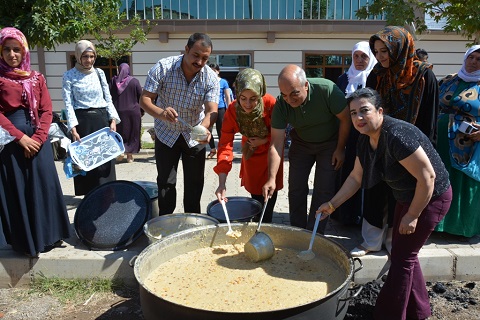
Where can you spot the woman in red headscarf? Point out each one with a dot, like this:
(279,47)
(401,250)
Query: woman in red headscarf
(126,91)
(33,217)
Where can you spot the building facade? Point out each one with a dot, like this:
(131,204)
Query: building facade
(317,35)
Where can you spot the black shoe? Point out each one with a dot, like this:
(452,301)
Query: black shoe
(52,246)
(31,256)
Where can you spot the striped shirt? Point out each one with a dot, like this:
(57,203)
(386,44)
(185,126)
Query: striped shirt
(167,80)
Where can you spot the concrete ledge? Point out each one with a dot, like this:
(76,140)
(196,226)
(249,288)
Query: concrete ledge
(374,266)
(437,264)
(467,263)
(14,269)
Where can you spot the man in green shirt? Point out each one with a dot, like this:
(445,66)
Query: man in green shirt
(316,108)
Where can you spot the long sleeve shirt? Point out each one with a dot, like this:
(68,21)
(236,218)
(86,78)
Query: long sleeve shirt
(85,91)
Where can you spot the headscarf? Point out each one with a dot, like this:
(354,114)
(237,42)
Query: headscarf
(80,48)
(23,74)
(356,77)
(401,84)
(469,76)
(251,124)
(123,78)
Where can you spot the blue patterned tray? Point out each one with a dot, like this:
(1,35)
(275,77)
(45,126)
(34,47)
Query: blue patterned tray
(96,149)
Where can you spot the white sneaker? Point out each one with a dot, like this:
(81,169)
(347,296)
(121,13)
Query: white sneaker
(359,252)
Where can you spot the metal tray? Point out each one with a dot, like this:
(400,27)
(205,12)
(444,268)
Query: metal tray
(239,209)
(96,149)
(112,215)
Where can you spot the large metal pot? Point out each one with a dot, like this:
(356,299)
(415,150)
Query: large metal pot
(333,306)
(152,189)
(165,225)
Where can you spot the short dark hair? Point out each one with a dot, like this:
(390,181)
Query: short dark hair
(206,41)
(421,53)
(371,95)
(214,66)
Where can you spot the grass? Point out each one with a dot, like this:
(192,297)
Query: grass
(72,290)
(148,145)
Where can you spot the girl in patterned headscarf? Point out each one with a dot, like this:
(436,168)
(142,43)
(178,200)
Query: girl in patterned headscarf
(31,219)
(407,86)
(250,115)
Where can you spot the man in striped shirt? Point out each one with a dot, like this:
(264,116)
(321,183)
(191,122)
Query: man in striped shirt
(181,86)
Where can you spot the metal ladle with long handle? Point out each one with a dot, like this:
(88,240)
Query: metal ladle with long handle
(230,232)
(308,254)
(260,246)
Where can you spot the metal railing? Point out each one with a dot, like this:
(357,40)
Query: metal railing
(244,9)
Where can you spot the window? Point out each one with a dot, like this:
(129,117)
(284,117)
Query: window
(230,64)
(107,65)
(231,60)
(329,66)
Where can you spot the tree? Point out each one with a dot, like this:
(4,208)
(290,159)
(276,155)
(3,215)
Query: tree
(461,16)
(315,9)
(106,21)
(48,23)
(45,22)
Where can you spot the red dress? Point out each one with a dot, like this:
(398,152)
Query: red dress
(254,171)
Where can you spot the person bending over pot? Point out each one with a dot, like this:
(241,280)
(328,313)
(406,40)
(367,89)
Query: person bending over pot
(398,153)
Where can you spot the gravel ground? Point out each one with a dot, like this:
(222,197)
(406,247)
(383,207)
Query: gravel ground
(458,300)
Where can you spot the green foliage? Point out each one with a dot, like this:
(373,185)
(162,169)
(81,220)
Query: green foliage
(461,15)
(49,23)
(313,9)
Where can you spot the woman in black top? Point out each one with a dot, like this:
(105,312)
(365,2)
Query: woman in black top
(409,90)
(398,153)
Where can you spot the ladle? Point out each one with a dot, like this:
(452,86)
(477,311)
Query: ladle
(260,246)
(308,254)
(230,232)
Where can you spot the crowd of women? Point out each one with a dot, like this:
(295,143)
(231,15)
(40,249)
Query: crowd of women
(412,149)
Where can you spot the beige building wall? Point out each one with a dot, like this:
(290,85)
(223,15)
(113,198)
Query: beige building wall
(445,52)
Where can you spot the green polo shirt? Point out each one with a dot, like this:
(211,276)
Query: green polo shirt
(315,120)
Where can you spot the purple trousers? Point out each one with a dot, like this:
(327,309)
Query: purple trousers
(404,294)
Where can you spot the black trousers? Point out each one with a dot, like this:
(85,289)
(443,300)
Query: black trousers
(193,164)
(221,114)
(91,120)
(267,217)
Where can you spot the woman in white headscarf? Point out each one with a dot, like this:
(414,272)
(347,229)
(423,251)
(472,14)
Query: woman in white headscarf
(363,61)
(355,78)
(459,148)
(89,108)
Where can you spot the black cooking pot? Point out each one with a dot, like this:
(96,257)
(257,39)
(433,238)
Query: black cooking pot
(332,306)
(240,209)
